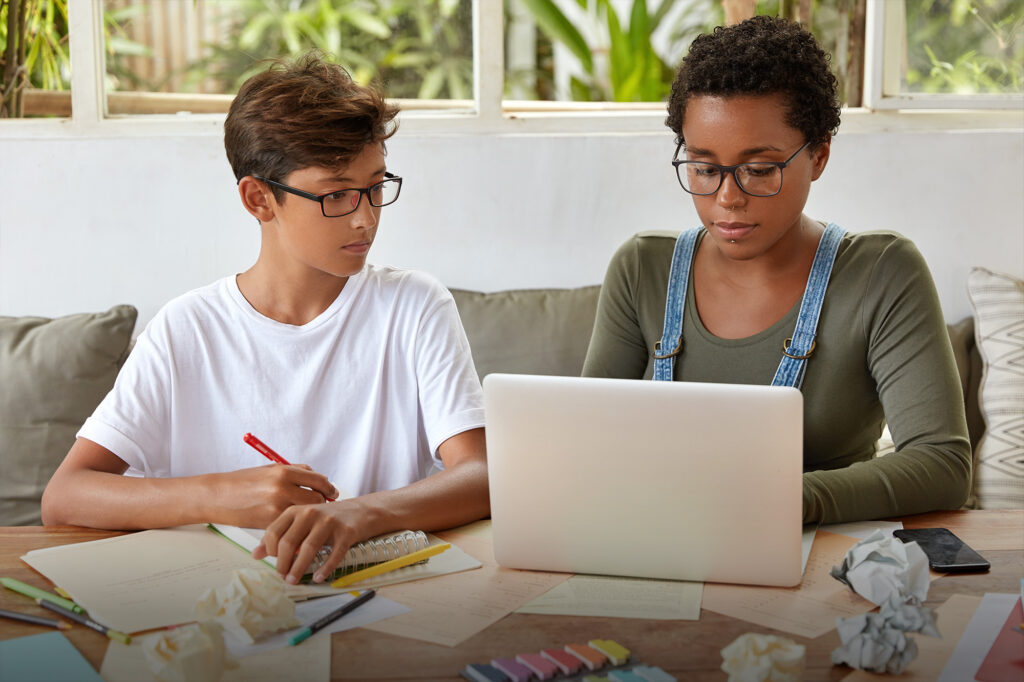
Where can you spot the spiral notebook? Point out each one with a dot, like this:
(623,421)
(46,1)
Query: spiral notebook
(367,553)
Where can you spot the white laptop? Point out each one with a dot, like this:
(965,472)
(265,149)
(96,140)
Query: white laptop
(674,480)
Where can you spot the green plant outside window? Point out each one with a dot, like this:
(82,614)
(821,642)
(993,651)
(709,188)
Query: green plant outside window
(607,50)
(964,47)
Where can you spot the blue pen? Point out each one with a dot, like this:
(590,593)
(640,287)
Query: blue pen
(331,617)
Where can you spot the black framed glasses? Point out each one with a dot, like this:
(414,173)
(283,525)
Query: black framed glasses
(341,202)
(757,178)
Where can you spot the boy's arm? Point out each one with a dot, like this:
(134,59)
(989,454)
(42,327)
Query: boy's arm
(452,497)
(88,489)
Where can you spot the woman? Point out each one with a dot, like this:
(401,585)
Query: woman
(754,108)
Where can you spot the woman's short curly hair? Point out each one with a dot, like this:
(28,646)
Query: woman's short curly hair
(761,56)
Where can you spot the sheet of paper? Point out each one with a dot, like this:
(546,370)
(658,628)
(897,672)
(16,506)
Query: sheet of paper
(377,609)
(806,542)
(861,530)
(977,639)
(44,658)
(932,652)
(310,662)
(143,580)
(452,608)
(598,595)
(810,609)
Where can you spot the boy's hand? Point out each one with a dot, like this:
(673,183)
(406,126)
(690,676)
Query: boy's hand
(299,533)
(253,498)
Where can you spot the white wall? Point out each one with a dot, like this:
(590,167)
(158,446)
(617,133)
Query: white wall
(86,223)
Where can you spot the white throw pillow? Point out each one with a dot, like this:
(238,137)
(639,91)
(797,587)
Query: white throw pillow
(998,303)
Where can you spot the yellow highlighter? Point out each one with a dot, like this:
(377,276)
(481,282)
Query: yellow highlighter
(387,566)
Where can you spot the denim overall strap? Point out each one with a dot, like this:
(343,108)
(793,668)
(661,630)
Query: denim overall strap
(671,344)
(800,346)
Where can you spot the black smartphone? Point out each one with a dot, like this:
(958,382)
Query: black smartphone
(946,552)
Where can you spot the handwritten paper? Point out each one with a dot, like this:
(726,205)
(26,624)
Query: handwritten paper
(377,609)
(450,609)
(861,530)
(310,662)
(598,595)
(810,609)
(145,580)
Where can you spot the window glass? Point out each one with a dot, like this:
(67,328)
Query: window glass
(598,50)
(417,49)
(964,47)
(628,50)
(35,71)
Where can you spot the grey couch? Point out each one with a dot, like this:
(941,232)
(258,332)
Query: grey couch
(53,372)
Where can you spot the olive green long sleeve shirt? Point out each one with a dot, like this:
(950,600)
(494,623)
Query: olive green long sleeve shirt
(882,355)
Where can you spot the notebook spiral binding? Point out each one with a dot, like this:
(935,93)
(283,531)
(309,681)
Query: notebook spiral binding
(377,550)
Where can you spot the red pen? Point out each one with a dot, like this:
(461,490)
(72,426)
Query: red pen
(264,449)
(268,452)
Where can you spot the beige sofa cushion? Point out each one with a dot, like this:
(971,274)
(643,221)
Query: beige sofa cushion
(53,372)
(998,303)
(529,331)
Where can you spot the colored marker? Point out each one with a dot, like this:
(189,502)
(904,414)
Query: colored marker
(264,449)
(268,452)
(85,620)
(386,566)
(35,620)
(36,593)
(307,632)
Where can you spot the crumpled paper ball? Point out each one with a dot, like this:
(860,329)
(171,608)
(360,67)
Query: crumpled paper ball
(876,642)
(763,658)
(882,566)
(192,653)
(252,604)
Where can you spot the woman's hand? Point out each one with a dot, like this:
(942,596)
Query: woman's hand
(254,498)
(300,532)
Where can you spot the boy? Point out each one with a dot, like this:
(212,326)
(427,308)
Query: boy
(362,372)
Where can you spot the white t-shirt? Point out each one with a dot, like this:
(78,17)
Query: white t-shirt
(365,393)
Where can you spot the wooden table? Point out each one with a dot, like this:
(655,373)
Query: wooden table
(687,649)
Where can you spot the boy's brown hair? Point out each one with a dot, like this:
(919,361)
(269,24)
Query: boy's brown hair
(301,114)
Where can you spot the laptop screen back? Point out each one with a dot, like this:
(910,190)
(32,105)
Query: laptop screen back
(673,480)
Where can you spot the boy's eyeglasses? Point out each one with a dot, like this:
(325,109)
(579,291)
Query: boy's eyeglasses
(758,178)
(344,201)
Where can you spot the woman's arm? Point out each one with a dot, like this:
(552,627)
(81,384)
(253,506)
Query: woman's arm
(617,348)
(912,364)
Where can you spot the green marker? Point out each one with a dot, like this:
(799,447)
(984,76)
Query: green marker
(86,621)
(305,633)
(36,593)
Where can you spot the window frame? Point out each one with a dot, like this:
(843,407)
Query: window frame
(885,34)
(488,113)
